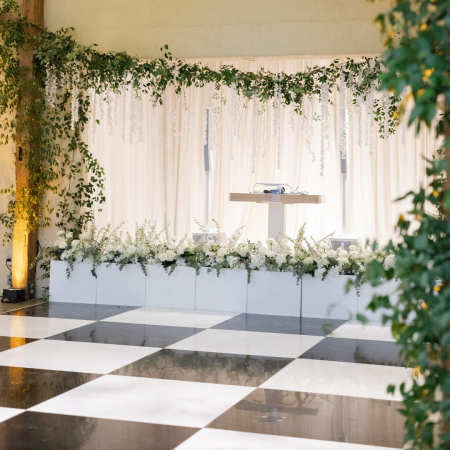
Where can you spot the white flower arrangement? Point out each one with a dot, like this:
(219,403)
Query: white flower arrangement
(298,255)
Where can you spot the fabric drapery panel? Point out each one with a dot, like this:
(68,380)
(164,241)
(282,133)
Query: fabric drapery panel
(161,172)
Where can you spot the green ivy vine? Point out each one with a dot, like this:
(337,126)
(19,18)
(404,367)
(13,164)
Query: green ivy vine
(418,57)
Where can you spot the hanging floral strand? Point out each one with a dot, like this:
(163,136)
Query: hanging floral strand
(255,132)
(75,97)
(51,86)
(277,97)
(342,118)
(324,124)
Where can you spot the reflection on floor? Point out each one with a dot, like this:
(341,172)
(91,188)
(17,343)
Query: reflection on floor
(85,377)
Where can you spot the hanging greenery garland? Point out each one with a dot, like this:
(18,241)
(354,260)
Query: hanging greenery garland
(79,83)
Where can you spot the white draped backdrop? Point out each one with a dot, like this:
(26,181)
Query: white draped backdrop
(161,171)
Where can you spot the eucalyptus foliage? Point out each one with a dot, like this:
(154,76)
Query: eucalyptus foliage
(58,156)
(418,58)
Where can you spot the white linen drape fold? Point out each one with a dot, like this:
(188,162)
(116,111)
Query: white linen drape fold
(163,174)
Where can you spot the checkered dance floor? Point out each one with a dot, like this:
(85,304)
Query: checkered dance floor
(105,377)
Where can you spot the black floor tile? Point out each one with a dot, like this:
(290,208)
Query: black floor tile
(72,311)
(280,324)
(38,431)
(314,416)
(6,342)
(23,388)
(356,351)
(127,334)
(206,367)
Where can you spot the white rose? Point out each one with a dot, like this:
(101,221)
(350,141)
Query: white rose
(69,235)
(62,243)
(332,254)
(220,259)
(170,255)
(222,252)
(308,260)
(352,248)
(242,250)
(75,243)
(60,233)
(343,253)
(162,257)
(232,260)
(323,261)
(263,250)
(281,259)
(342,260)
(130,250)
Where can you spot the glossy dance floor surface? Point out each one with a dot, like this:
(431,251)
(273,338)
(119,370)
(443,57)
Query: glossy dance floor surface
(84,377)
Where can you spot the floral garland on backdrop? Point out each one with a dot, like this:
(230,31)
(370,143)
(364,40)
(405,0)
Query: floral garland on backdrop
(83,86)
(298,255)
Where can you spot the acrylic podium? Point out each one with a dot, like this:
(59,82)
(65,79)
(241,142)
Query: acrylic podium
(277,203)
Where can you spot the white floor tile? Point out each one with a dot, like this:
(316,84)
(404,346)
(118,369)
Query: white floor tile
(360,331)
(248,343)
(211,439)
(339,378)
(37,327)
(172,317)
(7,413)
(73,356)
(147,400)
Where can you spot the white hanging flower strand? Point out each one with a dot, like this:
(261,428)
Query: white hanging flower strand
(74,104)
(342,118)
(277,117)
(255,132)
(265,131)
(360,111)
(109,100)
(309,130)
(51,86)
(325,123)
(387,106)
(124,111)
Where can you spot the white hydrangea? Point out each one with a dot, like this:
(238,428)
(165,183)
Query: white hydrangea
(389,262)
(281,258)
(62,243)
(242,250)
(258,261)
(342,260)
(308,260)
(130,250)
(171,255)
(232,260)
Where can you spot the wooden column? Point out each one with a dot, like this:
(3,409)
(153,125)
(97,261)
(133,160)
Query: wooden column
(25,241)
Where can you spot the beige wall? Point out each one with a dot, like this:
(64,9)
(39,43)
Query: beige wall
(220,28)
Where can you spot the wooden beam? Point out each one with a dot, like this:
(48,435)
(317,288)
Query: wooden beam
(25,240)
(9,16)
